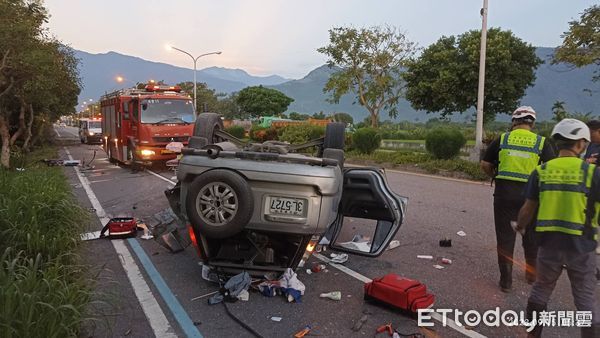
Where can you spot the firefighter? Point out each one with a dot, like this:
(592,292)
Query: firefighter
(509,160)
(566,194)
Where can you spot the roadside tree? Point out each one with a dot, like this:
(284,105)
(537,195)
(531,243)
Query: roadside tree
(371,61)
(38,77)
(581,43)
(258,100)
(444,78)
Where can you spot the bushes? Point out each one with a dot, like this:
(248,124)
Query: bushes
(298,134)
(261,134)
(43,289)
(366,140)
(444,143)
(237,131)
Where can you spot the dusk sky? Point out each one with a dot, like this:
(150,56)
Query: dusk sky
(267,37)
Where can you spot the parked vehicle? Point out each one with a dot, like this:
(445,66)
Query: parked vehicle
(263,207)
(144,125)
(90,130)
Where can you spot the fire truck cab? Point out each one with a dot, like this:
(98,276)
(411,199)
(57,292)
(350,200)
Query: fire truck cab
(145,125)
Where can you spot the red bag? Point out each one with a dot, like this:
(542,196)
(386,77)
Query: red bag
(403,293)
(120,227)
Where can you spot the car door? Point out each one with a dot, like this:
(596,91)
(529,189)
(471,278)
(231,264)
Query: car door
(369,215)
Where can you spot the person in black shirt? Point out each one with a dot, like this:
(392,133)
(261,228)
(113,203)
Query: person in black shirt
(509,160)
(592,155)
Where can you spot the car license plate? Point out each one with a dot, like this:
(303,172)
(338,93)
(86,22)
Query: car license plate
(287,206)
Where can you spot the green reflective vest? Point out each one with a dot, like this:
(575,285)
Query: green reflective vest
(564,185)
(519,154)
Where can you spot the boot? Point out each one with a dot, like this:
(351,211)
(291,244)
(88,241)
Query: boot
(537,308)
(505,276)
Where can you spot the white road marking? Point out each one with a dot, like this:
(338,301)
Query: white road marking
(56,131)
(161,177)
(365,279)
(156,317)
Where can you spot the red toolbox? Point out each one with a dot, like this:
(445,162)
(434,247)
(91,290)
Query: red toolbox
(120,227)
(399,292)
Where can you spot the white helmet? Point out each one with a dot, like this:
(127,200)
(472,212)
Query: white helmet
(572,129)
(523,112)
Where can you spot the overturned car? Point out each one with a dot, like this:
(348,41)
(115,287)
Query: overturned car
(264,207)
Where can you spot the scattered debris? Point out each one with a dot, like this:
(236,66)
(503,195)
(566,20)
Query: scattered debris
(461,233)
(90,236)
(317,268)
(127,333)
(393,244)
(276,319)
(232,289)
(339,258)
(58,162)
(291,286)
(146,234)
(359,323)
(445,243)
(308,272)
(333,295)
(386,328)
(204,296)
(425,256)
(439,267)
(244,296)
(302,332)
(197,323)
(20,169)
(446,261)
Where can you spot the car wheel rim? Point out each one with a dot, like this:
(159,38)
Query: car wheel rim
(217,204)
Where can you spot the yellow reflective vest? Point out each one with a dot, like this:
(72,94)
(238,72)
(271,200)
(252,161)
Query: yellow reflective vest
(564,186)
(519,154)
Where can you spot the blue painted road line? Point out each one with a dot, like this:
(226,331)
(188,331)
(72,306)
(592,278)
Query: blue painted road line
(185,322)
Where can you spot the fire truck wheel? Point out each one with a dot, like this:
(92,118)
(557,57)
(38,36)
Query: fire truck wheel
(334,135)
(205,126)
(219,203)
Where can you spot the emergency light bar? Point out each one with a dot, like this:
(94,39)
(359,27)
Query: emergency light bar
(162,88)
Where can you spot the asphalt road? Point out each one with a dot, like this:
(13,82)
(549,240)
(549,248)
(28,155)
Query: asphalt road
(438,208)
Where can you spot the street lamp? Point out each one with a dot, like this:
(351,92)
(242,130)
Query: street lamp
(195,60)
(480,88)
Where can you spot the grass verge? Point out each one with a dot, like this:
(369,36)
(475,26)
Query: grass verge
(419,161)
(44,290)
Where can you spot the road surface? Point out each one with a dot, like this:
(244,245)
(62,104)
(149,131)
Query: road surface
(438,208)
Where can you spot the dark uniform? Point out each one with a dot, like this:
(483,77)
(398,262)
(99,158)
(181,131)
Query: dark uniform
(509,195)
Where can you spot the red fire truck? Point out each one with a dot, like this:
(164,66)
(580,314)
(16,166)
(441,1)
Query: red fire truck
(143,125)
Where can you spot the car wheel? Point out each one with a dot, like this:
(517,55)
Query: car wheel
(205,126)
(219,203)
(334,135)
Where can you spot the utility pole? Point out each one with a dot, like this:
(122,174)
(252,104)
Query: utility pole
(475,155)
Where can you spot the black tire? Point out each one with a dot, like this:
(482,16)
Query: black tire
(207,211)
(205,126)
(334,135)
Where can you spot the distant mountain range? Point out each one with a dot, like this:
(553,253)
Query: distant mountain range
(553,83)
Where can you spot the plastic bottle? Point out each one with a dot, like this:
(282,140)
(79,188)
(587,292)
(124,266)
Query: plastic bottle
(333,295)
